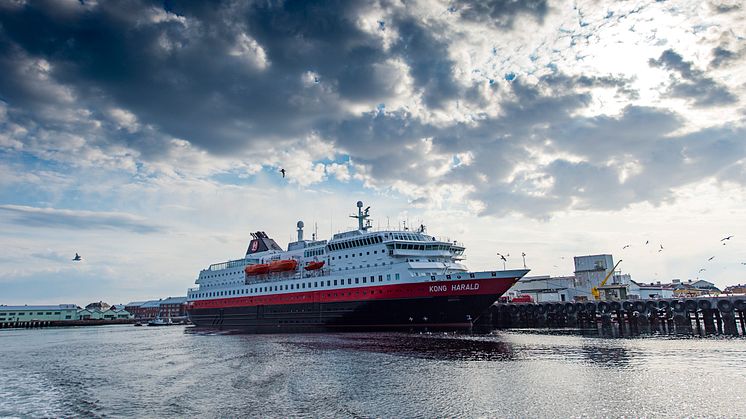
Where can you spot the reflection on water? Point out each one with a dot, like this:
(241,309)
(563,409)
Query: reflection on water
(159,372)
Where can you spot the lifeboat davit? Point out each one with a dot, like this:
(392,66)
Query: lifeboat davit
(258,269)
(311,266)
(283,265)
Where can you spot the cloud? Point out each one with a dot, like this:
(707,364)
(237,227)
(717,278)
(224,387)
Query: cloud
(695,84)
(497,105)
(500,13)
(77,219)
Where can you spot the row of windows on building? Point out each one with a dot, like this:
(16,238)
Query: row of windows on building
(349,244)
(293,287)
(40,313)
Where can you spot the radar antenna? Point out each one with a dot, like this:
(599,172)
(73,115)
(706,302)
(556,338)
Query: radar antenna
(363,223)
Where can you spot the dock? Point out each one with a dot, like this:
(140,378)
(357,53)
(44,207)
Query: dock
(702,316)
(37,324)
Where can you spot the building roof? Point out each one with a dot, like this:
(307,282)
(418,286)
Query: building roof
(135,303)
(151,304)
(47,307)
(174,300)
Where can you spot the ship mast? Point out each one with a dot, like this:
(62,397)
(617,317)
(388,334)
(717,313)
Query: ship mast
(363,223)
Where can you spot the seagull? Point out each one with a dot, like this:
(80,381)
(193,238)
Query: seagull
(283,173)
(503,257)
(661,249)
(713,257)
(77,258)
(726,238)
(647,241)
(701,270)
(625,246)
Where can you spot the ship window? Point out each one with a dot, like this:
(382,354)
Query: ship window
(315,284)
(364,280)
(345,256)
(380,278)
(375,252)
(397,277)
(357,280)
(303,286)
(349,281)
(353,255)
(328,283)
(361,253)
(367,253)
(388,277)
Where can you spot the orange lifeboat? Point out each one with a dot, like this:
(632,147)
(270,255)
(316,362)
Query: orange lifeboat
(258,269)
(283,265)
(311,266)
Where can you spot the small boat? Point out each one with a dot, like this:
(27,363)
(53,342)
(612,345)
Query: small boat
(258,269)
(312,266)
(283,265)
(160,322)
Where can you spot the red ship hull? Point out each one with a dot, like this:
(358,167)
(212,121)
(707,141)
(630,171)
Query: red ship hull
(437,305)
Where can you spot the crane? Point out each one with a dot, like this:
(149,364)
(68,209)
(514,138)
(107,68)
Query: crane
(594,290)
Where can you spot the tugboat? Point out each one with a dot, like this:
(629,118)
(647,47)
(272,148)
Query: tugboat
(358,280)
(160,322)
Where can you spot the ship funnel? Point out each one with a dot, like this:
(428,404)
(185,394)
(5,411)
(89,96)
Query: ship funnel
(300,231)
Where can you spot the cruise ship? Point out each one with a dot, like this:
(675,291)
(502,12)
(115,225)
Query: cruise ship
(359,280)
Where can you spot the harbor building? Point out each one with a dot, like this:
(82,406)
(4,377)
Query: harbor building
(590,272)
(25,313)
(172,307)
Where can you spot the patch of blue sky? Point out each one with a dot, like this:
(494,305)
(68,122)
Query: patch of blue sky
(238,178)
(509,76)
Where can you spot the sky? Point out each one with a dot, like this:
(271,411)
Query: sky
(148,136)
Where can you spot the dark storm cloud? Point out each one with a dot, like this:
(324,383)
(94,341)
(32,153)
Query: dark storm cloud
(500,13)
(703,90)
(428,61)
(77,220)
(239,78)
(722,56)
(183,76)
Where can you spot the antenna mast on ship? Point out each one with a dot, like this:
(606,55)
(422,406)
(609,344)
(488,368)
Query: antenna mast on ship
(363,223)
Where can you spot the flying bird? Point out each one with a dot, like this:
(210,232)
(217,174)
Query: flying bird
(503,258)
(711,258)
(701,270)
(625,246)
(647,241)
(283,173)
(661,249)
(77,258)
(726,238)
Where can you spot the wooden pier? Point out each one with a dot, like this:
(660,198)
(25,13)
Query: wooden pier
(702,316)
